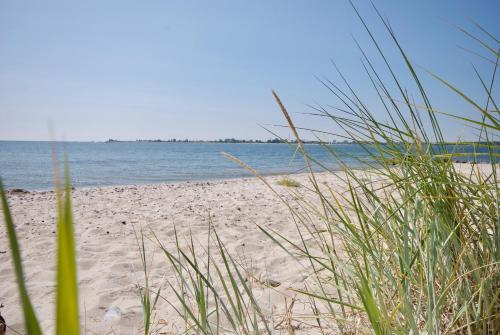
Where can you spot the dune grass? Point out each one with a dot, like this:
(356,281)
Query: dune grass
(149,298)
(214,293)
(413,246)
(287,182)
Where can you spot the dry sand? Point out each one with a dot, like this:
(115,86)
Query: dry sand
(110,271)
(109,264)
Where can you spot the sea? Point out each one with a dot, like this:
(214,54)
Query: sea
(30,165)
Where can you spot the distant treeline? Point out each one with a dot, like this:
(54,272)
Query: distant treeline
(277,140)
(233,140)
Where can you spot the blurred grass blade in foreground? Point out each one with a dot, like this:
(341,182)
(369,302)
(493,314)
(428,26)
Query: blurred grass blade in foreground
(30,320)
(67,289)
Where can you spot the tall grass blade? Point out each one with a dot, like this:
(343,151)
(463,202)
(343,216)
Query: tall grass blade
(30,320)
(67,319)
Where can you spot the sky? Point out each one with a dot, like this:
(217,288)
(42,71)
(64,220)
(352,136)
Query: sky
(93,70)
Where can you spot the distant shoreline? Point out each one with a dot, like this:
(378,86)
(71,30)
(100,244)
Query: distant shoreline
(230,140)
(272,141)
(233,141)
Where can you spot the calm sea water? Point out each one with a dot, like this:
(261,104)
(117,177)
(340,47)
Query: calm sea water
(29,165)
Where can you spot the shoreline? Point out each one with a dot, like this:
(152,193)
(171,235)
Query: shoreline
(20,190)
(14,190)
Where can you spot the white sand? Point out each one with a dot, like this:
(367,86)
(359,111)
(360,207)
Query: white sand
(109,265)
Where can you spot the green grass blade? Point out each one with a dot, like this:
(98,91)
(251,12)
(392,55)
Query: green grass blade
(30,320)
(67,287)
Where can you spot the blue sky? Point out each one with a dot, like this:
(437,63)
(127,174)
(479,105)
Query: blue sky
(205,69)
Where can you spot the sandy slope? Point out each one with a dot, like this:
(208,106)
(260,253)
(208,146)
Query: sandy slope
(110,269)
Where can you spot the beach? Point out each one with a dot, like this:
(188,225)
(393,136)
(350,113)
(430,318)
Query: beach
(246,168)
(110,271)
(109,220)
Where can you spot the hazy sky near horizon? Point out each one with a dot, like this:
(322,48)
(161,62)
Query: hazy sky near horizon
(205,69)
